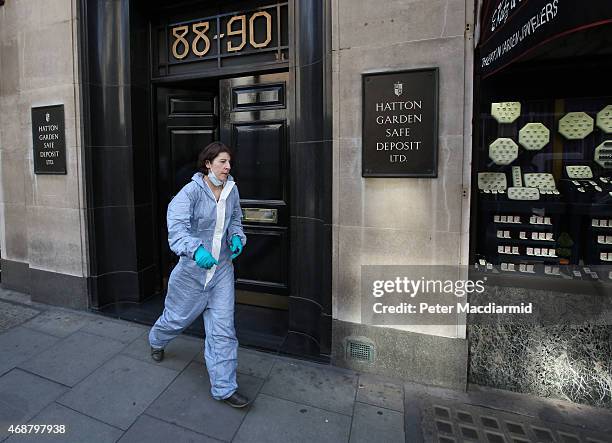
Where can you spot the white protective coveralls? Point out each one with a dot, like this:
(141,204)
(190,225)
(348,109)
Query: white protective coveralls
(195,218)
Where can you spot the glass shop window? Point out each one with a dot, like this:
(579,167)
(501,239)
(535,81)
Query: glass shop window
(544,188)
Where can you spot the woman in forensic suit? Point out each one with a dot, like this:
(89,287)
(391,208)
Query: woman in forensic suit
(205,231)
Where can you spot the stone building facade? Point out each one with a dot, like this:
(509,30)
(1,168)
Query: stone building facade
(94,237)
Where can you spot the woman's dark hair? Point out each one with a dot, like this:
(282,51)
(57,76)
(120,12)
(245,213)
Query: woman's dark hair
(209,153)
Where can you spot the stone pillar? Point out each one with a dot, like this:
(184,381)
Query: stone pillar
(311,157)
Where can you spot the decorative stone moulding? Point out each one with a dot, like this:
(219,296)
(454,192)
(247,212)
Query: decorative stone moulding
(534,136)
(603,154)
(503,151)
(542,181)
(523,193)
(576,125)
(492,181)
(604,119)
(577,172)
(506,112)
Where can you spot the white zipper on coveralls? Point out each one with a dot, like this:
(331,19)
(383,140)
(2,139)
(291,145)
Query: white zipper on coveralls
(219,227)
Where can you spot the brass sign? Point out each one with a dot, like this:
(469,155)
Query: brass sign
(49,139)
(400,124)
(259,215)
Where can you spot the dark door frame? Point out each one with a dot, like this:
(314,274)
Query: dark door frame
(117,153)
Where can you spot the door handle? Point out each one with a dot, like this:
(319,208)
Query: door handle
(260,215)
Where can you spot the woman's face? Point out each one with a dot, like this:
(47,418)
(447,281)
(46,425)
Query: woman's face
(220,165)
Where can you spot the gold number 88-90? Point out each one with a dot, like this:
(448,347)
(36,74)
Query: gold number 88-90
(241,31)
(179,33)
(200,29)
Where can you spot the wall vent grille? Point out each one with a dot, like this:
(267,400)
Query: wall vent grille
(359,351)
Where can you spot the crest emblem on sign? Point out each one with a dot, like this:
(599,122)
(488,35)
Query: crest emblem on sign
(47,117)
(398,88)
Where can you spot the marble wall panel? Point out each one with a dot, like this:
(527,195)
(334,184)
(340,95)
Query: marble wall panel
(54,239)
(365,23)
(15,245)
(46,52)
(10,65)
(12,170)
(37,13)
(9,20)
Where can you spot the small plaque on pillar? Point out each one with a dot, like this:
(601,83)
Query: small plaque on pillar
(400,124)
(49,139)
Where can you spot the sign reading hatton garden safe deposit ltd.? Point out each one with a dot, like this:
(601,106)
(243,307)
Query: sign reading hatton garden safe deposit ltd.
(49,140)
(400,124)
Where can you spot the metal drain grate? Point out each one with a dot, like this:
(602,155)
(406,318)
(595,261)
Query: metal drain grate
(359,350)
(462,423)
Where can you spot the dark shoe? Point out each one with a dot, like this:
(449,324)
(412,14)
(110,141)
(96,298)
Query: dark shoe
(157,354)
(237,400)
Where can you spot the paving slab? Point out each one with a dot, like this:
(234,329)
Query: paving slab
(315,385)
(250,362)
(187,402)
(58,323)
(78,428)
(149,429)
(20,344)
(381,392)
(14,296)
(22,396)
(256,364)
(372,423)
(119,391)
(122,331)
(71,360)
(12,315)
(273,419)
(177,355)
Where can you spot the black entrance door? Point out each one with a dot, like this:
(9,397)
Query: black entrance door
(249,114)
(187,121)
(254,123)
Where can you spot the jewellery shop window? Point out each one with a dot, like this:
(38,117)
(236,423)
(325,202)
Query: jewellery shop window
(544,188)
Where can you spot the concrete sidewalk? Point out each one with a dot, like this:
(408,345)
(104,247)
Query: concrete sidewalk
(94,375)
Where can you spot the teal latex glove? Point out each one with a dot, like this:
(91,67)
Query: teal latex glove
(236,246)
(204,259)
